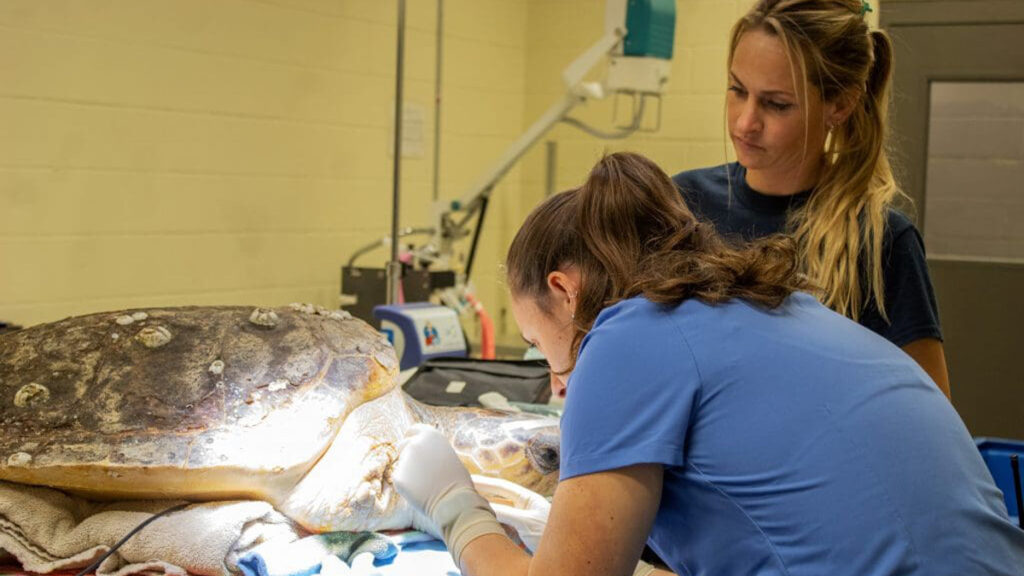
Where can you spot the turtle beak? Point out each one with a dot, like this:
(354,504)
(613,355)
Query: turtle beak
(542,449)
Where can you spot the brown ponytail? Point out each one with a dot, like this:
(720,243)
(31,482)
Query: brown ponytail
(629,232)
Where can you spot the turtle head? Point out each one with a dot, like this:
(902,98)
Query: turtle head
(520,448)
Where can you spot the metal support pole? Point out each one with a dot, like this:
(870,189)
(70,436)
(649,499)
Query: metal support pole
(550,168)
(437,99)
(394,266)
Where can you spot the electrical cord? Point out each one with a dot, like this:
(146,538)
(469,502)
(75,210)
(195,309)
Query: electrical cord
(409,231)
(114,548)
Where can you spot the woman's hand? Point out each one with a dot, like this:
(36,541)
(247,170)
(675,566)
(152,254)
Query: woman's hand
(430,476)
(515,506)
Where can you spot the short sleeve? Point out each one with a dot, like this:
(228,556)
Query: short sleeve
(909,295)
(632,394)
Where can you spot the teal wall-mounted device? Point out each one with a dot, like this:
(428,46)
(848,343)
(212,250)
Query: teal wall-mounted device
(652,28)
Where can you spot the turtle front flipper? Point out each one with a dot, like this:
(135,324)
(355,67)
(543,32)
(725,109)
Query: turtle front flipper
(350,487)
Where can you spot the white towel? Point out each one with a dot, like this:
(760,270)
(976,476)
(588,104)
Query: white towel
(419,553)
(317,554)
(47,530)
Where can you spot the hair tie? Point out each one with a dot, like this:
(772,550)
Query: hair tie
(865,8)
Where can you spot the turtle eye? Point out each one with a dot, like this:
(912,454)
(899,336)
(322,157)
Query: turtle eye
(543,452)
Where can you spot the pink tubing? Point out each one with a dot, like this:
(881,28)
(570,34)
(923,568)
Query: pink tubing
(486,328)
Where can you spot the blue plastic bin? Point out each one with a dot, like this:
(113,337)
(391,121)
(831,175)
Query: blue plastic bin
(996,452)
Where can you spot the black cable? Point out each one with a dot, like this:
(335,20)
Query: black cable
(114,548)
(476,235)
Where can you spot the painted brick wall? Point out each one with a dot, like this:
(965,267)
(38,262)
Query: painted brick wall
(157,152)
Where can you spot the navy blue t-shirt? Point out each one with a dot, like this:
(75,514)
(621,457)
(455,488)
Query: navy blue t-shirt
(747,214)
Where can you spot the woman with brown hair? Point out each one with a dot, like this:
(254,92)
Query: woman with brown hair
(716,412)
(806,110)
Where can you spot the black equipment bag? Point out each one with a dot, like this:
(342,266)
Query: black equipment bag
(438,381)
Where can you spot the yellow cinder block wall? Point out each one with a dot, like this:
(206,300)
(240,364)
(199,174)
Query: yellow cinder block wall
(238,152)
(184,152)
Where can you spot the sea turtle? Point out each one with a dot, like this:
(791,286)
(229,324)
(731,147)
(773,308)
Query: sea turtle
(297,406)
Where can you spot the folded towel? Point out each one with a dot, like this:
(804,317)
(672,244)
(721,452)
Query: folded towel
(418,553)
(47,530)
(310,554)
(352,554)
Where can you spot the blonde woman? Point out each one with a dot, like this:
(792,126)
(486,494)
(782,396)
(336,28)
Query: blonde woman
(806,112)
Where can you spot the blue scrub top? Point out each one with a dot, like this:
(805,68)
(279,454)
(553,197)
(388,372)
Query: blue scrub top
(794,441)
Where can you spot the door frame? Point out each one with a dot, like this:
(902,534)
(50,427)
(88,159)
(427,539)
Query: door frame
(914,73)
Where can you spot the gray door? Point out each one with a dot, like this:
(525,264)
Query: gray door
(958,128)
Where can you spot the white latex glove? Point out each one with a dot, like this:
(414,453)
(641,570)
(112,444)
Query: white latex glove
(515,506)
(430,476)
(526,511)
